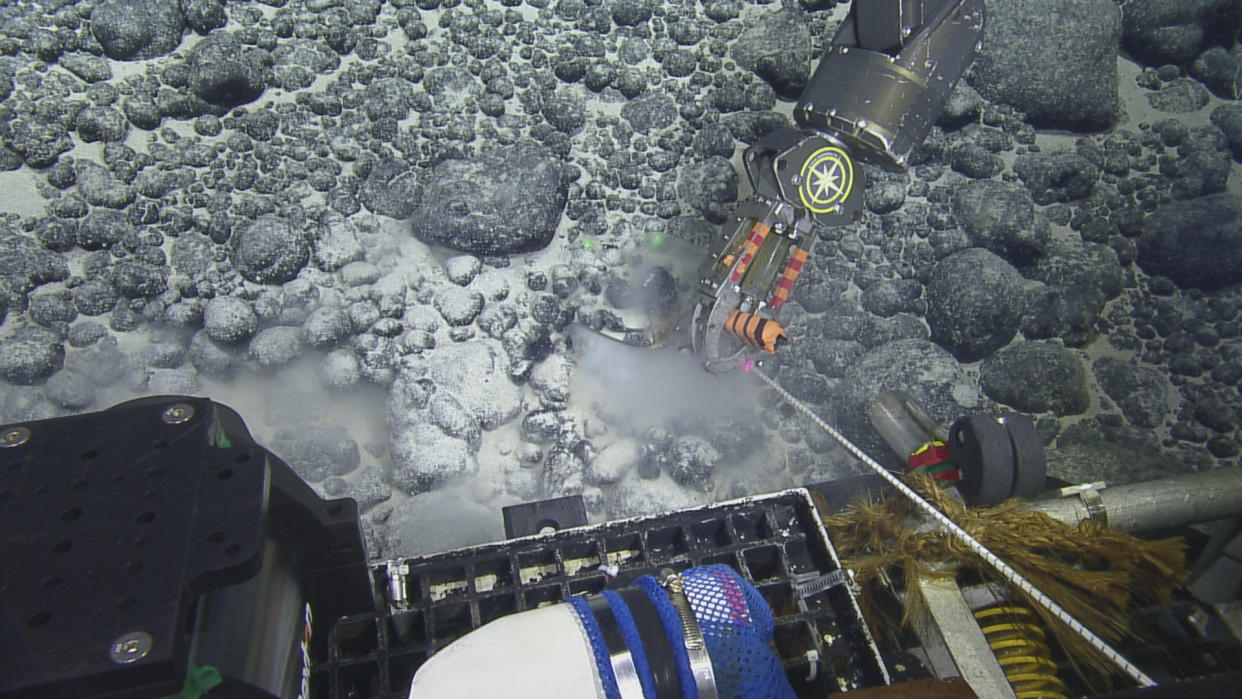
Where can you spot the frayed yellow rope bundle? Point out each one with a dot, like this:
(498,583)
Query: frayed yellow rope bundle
(1093,572)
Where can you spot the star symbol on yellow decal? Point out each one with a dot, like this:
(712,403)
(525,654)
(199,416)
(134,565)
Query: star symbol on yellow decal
(827,178)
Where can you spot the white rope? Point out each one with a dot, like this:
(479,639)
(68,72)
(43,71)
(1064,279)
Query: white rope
(1014,577)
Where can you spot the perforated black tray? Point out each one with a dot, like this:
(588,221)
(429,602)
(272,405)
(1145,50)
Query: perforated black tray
(775,541)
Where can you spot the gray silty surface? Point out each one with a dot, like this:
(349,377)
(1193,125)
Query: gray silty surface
(373,227)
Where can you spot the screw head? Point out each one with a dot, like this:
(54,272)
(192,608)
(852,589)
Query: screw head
(14,437)
(178,413)
(131,647)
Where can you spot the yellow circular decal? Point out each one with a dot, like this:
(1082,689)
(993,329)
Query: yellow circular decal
(827,177)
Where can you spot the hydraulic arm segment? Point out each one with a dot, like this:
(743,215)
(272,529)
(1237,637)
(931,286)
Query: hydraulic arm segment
(878,89)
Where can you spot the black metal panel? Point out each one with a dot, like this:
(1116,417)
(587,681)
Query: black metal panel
(114,523)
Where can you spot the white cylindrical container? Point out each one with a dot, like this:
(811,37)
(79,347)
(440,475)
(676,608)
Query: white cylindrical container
(534,654)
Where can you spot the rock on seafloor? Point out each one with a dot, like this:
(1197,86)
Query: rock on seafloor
(1068,83)
(508,201)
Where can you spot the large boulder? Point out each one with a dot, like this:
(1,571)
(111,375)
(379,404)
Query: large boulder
(275,347)
(100,188)
(1056,60)
(1219,70)
(1001,217)
(424,457)
(503,202)
(975,302)
(1066,312)
(476,374)
(336,242)
(1201,164)
(270,250)
(225,72)
(777,48)
(230,319)
(131,30)
(135,279)
(1197,242)
(1036,377)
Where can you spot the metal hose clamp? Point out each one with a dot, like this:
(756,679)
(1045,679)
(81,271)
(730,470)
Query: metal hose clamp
(696,646)
(1091,499)
(1094,503)
(619,656)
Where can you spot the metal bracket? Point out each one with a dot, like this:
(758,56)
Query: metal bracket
(533,517)
(1089,494)
(398,599)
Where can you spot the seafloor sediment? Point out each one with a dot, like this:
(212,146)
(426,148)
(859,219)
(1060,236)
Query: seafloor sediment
(382,231)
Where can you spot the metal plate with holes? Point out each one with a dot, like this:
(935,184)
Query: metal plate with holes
(112,524)
(775,541)
(99,513)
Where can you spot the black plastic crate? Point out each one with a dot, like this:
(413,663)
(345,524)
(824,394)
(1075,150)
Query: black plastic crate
(775,541)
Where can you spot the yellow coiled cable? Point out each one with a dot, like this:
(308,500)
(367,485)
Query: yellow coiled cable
(1014,635)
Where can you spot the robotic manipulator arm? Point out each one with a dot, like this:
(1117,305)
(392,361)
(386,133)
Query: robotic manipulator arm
(879,87)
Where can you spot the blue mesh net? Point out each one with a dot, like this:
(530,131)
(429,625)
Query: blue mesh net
(737,626)
(672,628)
(602,664)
